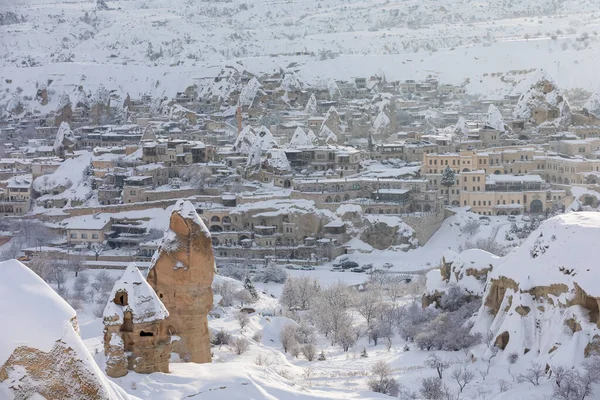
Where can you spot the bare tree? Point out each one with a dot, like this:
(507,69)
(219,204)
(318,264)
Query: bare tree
(242,319)
(80,286)
(97,248)
(462,376)
(346,337)
(437,363)
(41,264)
(220,338)
(287,336)
(76,262)
(487,244)
(298,293)
(533,374)
(416,287)
(470,228)
(577,385)
(227,292)
(368,304)
(396,288)
(330,312)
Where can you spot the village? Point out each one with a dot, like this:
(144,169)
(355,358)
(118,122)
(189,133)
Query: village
(283,172)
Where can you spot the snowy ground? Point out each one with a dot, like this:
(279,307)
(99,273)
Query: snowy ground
(280,376)
(342,375)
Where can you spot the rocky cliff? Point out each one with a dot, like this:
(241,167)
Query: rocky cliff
(544,297)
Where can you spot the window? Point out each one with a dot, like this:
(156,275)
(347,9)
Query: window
(84,235)
(73,236)
(94,236)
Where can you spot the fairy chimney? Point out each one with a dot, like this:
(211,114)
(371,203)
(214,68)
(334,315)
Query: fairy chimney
(135,333)
(181,273)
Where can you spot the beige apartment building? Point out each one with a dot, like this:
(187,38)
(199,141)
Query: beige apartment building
(508,194)
(499,160)
(581,147)
(570,170)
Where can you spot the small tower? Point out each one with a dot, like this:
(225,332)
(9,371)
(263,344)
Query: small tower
(135,334)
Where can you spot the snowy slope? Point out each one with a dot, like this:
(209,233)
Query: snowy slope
(160,47)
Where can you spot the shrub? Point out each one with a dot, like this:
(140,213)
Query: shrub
(309,351)
(220,338)
(470,228)
(487,244)
(257,337)
(432,388)
(381,382)
(240,345)
(272,273)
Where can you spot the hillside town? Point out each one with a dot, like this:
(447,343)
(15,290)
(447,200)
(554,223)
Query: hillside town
(283,172)
(299,199)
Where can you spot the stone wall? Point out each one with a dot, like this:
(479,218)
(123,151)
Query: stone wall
(426,224)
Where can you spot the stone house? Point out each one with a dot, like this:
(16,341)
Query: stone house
(136,336)
(87,228)
(15,195)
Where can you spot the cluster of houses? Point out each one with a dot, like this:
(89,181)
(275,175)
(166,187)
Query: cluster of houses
(270,161)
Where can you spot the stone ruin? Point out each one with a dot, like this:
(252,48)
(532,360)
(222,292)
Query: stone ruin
(135,335)
(147,321)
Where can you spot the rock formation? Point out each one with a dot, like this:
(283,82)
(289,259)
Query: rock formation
(544,103)
(468,270)
(181,273)
(544,298)
(135,334)
(41,353)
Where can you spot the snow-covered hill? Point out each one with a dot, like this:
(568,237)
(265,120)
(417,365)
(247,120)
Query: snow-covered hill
(160,47)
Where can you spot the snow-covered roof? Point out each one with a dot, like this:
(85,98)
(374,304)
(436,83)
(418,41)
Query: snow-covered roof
(86,222)
(392,191)
(142,301)
(493,179)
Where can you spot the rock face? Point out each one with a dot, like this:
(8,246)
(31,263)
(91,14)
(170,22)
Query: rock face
(544,104)
(545,296)
(181,274)
(135,334)
(468,270)
(41,352)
